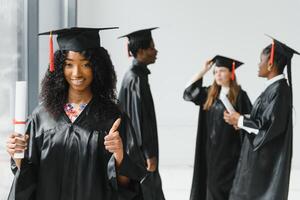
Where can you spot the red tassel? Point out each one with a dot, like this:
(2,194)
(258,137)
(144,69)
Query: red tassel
(233,71)
(51,54)
(271,61)
(18,122)
(128,52)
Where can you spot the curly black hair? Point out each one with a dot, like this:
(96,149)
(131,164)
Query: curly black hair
(54,92)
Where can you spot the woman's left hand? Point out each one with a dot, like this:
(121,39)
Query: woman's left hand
(113,142)
(232,118)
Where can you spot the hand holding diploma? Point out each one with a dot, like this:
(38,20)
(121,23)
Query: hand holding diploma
(227,103)
(20,113)
(17,142)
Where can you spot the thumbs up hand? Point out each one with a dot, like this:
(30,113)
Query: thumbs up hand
(113,142)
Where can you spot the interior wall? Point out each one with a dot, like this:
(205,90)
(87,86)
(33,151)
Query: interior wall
(190,33)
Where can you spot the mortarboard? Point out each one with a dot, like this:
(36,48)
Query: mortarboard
(74,39)
(143,34)
(231,64)
(285,51)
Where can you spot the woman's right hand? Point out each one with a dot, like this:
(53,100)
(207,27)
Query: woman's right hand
(16,143)
(207,66)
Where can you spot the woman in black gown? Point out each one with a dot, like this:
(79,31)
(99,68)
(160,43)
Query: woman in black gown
(218,144)
(264,168)
(80,146)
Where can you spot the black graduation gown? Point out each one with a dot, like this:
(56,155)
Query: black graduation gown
(217,147)
(68,161)
(264,169)
(136,100)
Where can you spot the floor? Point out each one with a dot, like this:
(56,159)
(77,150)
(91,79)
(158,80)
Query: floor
(175,166)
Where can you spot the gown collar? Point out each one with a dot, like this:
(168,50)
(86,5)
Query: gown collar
(224,90)
(141,67)
(274,79)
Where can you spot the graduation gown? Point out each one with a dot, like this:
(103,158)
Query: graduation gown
(68,161)
(218,145)
(136,100)
(264,169)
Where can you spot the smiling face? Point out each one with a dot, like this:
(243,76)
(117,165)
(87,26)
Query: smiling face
(78,72)
(222,76)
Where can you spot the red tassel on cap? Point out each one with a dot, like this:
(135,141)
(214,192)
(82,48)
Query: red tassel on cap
(51,54)
(271,61)
(233,71)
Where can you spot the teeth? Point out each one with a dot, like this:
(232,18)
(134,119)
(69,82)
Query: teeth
(77,81)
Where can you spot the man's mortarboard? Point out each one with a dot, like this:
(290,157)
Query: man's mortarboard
(144,34)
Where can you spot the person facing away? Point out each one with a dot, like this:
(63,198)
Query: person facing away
(218,144)
(263,171)
(77,144)
(136,100)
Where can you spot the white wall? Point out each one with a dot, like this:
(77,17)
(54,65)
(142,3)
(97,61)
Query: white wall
(190,33)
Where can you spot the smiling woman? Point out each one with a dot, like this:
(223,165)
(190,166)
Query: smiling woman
(78,73)
(77,152)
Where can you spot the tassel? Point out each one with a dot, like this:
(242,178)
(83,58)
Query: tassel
(51,54)
(271,61)
(233,71)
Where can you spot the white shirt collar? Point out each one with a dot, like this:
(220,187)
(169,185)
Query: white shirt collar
(224,91)
(274,79)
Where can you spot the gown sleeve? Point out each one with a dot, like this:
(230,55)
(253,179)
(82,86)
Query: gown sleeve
(272,122)
(136,105)
(132,165)
(25,180)
(13,166)
(244,104)
(196,93)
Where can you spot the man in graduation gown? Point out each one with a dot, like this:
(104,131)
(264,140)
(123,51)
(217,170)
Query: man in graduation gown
(136,100)
(264,169)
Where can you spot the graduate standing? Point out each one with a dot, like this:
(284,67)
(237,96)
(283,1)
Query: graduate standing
(79,146)
(136,100)
(264,169)
(218,144)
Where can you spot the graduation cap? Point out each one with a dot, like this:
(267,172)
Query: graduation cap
(282,49)
(231,64)
(74,39)
(285,51)
(144,34)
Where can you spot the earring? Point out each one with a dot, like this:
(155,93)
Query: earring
(269,68)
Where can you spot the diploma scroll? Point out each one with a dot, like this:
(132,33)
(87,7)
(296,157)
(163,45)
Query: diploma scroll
(227,103)
(20,111)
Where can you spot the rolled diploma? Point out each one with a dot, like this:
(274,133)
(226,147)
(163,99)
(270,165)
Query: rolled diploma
(230,109)
(227,103)
(20,111)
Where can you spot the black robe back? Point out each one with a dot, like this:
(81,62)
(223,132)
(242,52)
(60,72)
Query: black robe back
(136,100)
(263,172)
(217,147)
